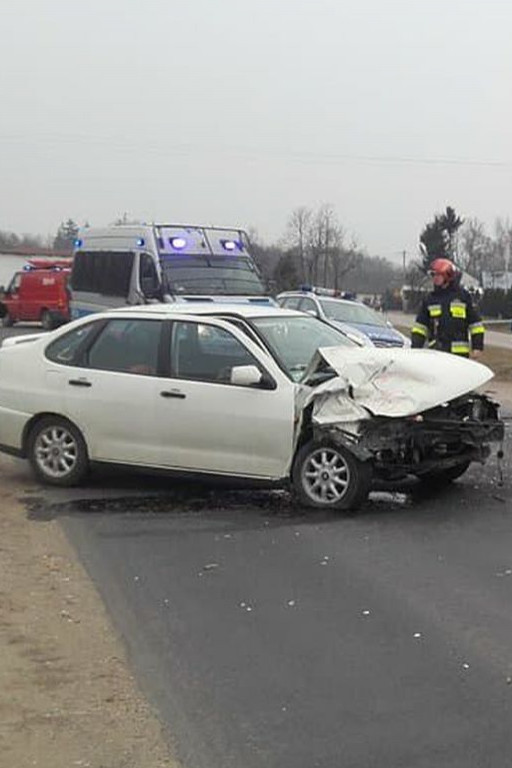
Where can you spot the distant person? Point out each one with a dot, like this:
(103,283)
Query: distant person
(448,320)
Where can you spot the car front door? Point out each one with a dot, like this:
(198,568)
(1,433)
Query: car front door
(209,424)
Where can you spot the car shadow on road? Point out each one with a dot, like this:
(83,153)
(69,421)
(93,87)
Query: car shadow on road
(115,492)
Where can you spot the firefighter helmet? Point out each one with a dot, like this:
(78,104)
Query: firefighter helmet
(444,268)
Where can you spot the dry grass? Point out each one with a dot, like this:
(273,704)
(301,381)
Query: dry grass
(498,359)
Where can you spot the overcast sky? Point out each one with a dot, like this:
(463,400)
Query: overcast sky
(238,111)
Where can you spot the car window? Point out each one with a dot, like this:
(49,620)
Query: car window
(15,283)
(294,340)
(127,346)
(206,353)
(66,348)
(292,302)
(351,312)
(308,305)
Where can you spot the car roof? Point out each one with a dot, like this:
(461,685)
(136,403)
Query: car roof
(320,297)
(206,308)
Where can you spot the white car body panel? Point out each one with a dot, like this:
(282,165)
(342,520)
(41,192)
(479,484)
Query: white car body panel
(116,407)
(391,382)
(226,429)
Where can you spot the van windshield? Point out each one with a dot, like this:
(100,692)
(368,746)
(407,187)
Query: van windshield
(200,276)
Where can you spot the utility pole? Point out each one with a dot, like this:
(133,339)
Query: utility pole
(404,256)
(507,259)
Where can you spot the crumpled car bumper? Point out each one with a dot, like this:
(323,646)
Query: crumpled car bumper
(445,436)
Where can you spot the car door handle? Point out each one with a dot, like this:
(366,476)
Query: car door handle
(173,393)
(80,383)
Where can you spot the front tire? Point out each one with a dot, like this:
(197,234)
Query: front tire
(57,452)
(444,477)
(329,476)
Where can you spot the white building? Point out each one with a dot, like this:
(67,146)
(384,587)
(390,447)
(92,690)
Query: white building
(501,280)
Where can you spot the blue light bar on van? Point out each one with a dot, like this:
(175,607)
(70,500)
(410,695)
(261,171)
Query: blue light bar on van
(78,243)
(141,242)
(178,243)
(231,245)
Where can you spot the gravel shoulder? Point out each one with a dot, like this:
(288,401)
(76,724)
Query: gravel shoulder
(67,697)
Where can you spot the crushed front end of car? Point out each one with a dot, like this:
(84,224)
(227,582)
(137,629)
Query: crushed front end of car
(403,412)
(451,435)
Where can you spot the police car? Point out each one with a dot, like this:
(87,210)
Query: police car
(367,325)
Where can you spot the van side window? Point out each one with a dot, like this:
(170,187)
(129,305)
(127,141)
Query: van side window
(104,272)
(148,277)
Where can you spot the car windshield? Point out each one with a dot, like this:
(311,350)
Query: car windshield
(294,340)
(348,312)
(200,276)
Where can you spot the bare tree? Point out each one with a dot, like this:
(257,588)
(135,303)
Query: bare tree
(476,251)
(298,236)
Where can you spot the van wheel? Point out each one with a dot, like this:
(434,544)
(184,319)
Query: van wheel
(7,320)
(57,452)
(328,476)
(47,320)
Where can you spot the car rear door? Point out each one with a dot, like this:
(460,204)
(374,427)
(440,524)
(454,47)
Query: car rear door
(112,393)
(208,424)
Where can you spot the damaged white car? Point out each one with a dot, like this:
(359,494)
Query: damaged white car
(257,394)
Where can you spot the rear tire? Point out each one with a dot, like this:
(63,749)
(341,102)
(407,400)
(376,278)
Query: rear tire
(47,320)
(57,452)
(444,477)
(328,476)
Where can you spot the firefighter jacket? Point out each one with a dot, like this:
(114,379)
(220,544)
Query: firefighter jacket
(448,321)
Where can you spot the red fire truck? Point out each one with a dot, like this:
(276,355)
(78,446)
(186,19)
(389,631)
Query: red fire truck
(39,292)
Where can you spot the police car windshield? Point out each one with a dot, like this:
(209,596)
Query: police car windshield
(294,340)
(350,312)
(200,278)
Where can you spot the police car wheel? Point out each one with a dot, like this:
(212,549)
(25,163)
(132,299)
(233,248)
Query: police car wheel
(57,452)
(328,476)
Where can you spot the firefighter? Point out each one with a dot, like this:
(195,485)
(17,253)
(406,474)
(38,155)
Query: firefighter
(448,320)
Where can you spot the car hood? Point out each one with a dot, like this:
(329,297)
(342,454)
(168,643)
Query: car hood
(383,382)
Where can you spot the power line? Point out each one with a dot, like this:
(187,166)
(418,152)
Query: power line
(189,149)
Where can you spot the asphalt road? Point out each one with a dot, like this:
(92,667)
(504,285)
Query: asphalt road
(270,637)
(267,636)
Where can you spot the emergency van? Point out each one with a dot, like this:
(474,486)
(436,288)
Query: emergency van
(137,264)
(39,292)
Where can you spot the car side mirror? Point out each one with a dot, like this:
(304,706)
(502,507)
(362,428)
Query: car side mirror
(312,312)
(251,376)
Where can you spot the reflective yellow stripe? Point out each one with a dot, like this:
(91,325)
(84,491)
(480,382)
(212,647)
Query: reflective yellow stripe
(476,328)
(434,310)
(419,328)
(459,348)
(458,309)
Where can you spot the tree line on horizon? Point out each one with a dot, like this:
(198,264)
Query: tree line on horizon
(316,249)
